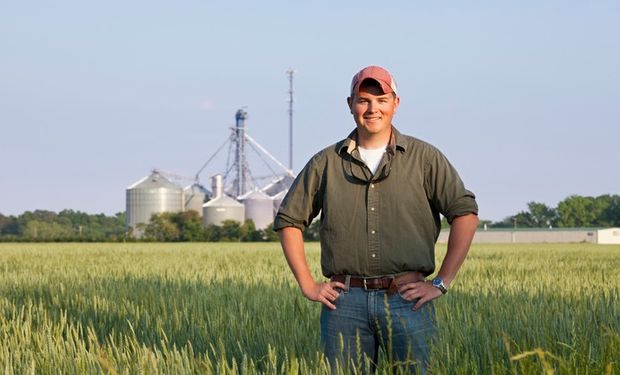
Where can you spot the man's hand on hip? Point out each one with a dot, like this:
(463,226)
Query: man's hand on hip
(424,291)
(324,292)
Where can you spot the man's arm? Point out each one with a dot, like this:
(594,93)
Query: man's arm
(293,246)
(462,232)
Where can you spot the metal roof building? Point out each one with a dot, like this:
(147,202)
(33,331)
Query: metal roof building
(543,235)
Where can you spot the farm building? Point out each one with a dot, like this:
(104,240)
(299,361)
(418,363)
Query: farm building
(543,235)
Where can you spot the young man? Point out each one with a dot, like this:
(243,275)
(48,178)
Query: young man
(380,194)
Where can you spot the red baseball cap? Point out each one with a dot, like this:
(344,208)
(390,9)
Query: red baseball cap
(377,73)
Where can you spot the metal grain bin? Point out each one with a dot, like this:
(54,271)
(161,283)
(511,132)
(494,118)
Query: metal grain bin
(194,196)
(281,183)
(258,207)
(151,195)
(277,201)
(222,208)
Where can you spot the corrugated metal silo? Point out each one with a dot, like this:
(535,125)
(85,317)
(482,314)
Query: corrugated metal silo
(195,196)
(151,195)
(221,207)
(281,183)
(277,201)
(258,207)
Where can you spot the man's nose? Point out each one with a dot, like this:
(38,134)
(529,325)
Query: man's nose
(372,106)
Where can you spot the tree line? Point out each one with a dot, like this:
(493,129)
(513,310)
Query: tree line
(574,211)
(67,225)
(76,226)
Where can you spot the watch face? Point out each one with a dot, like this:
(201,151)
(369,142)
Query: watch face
(437,281)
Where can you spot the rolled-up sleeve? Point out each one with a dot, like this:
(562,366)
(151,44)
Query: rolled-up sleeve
(445,189)
(304,199)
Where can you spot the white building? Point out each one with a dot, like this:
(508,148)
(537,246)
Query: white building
(543,235)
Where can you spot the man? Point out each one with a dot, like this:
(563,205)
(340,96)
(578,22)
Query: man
(380,194)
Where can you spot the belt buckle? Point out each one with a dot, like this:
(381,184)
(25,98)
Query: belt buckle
(366,285)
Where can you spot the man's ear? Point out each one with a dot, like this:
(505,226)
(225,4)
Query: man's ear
(350,103)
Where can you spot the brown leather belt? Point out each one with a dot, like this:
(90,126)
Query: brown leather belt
(391,282)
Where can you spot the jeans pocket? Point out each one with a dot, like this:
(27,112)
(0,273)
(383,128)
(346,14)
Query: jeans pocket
(403,298)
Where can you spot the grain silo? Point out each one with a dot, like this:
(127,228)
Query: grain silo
(194,197)
(258,207)
(151,195)
(221,207)
(280,183)
(277,201)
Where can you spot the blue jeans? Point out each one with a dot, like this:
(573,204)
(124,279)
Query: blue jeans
(366,320)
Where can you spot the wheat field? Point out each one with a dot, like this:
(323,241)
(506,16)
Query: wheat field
(234,308)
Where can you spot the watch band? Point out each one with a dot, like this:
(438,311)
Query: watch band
(439,284)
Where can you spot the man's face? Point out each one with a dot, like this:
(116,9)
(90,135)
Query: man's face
(372,110)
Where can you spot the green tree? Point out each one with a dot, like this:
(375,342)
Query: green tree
(213,233)
(67,225)
(230,231)
(9,225)
(482,223)
(312,233)
(542,215)
(523,220)
(269,235)
(538,215)
(610,216)
(577,211)
(162,228)
(189,224)
(39,230)
(248,232)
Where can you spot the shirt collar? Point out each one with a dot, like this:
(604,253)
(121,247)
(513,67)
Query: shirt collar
(396,142)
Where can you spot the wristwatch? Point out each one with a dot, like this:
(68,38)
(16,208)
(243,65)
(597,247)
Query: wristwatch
(438,283)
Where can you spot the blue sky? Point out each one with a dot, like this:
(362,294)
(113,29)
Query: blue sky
(522,96)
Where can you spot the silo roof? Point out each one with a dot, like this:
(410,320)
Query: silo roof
(154,181)
(254,195)
(198,187)
(222,201)
(281,183)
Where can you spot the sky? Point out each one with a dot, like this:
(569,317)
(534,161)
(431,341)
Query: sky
(523,97)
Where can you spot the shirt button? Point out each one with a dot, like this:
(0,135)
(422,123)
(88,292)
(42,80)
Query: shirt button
(372,231)
(372,186)
(372,208)
(374,255)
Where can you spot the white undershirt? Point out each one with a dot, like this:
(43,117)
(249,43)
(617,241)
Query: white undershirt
(372,157)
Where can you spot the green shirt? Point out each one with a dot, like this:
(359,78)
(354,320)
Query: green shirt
(378,224)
